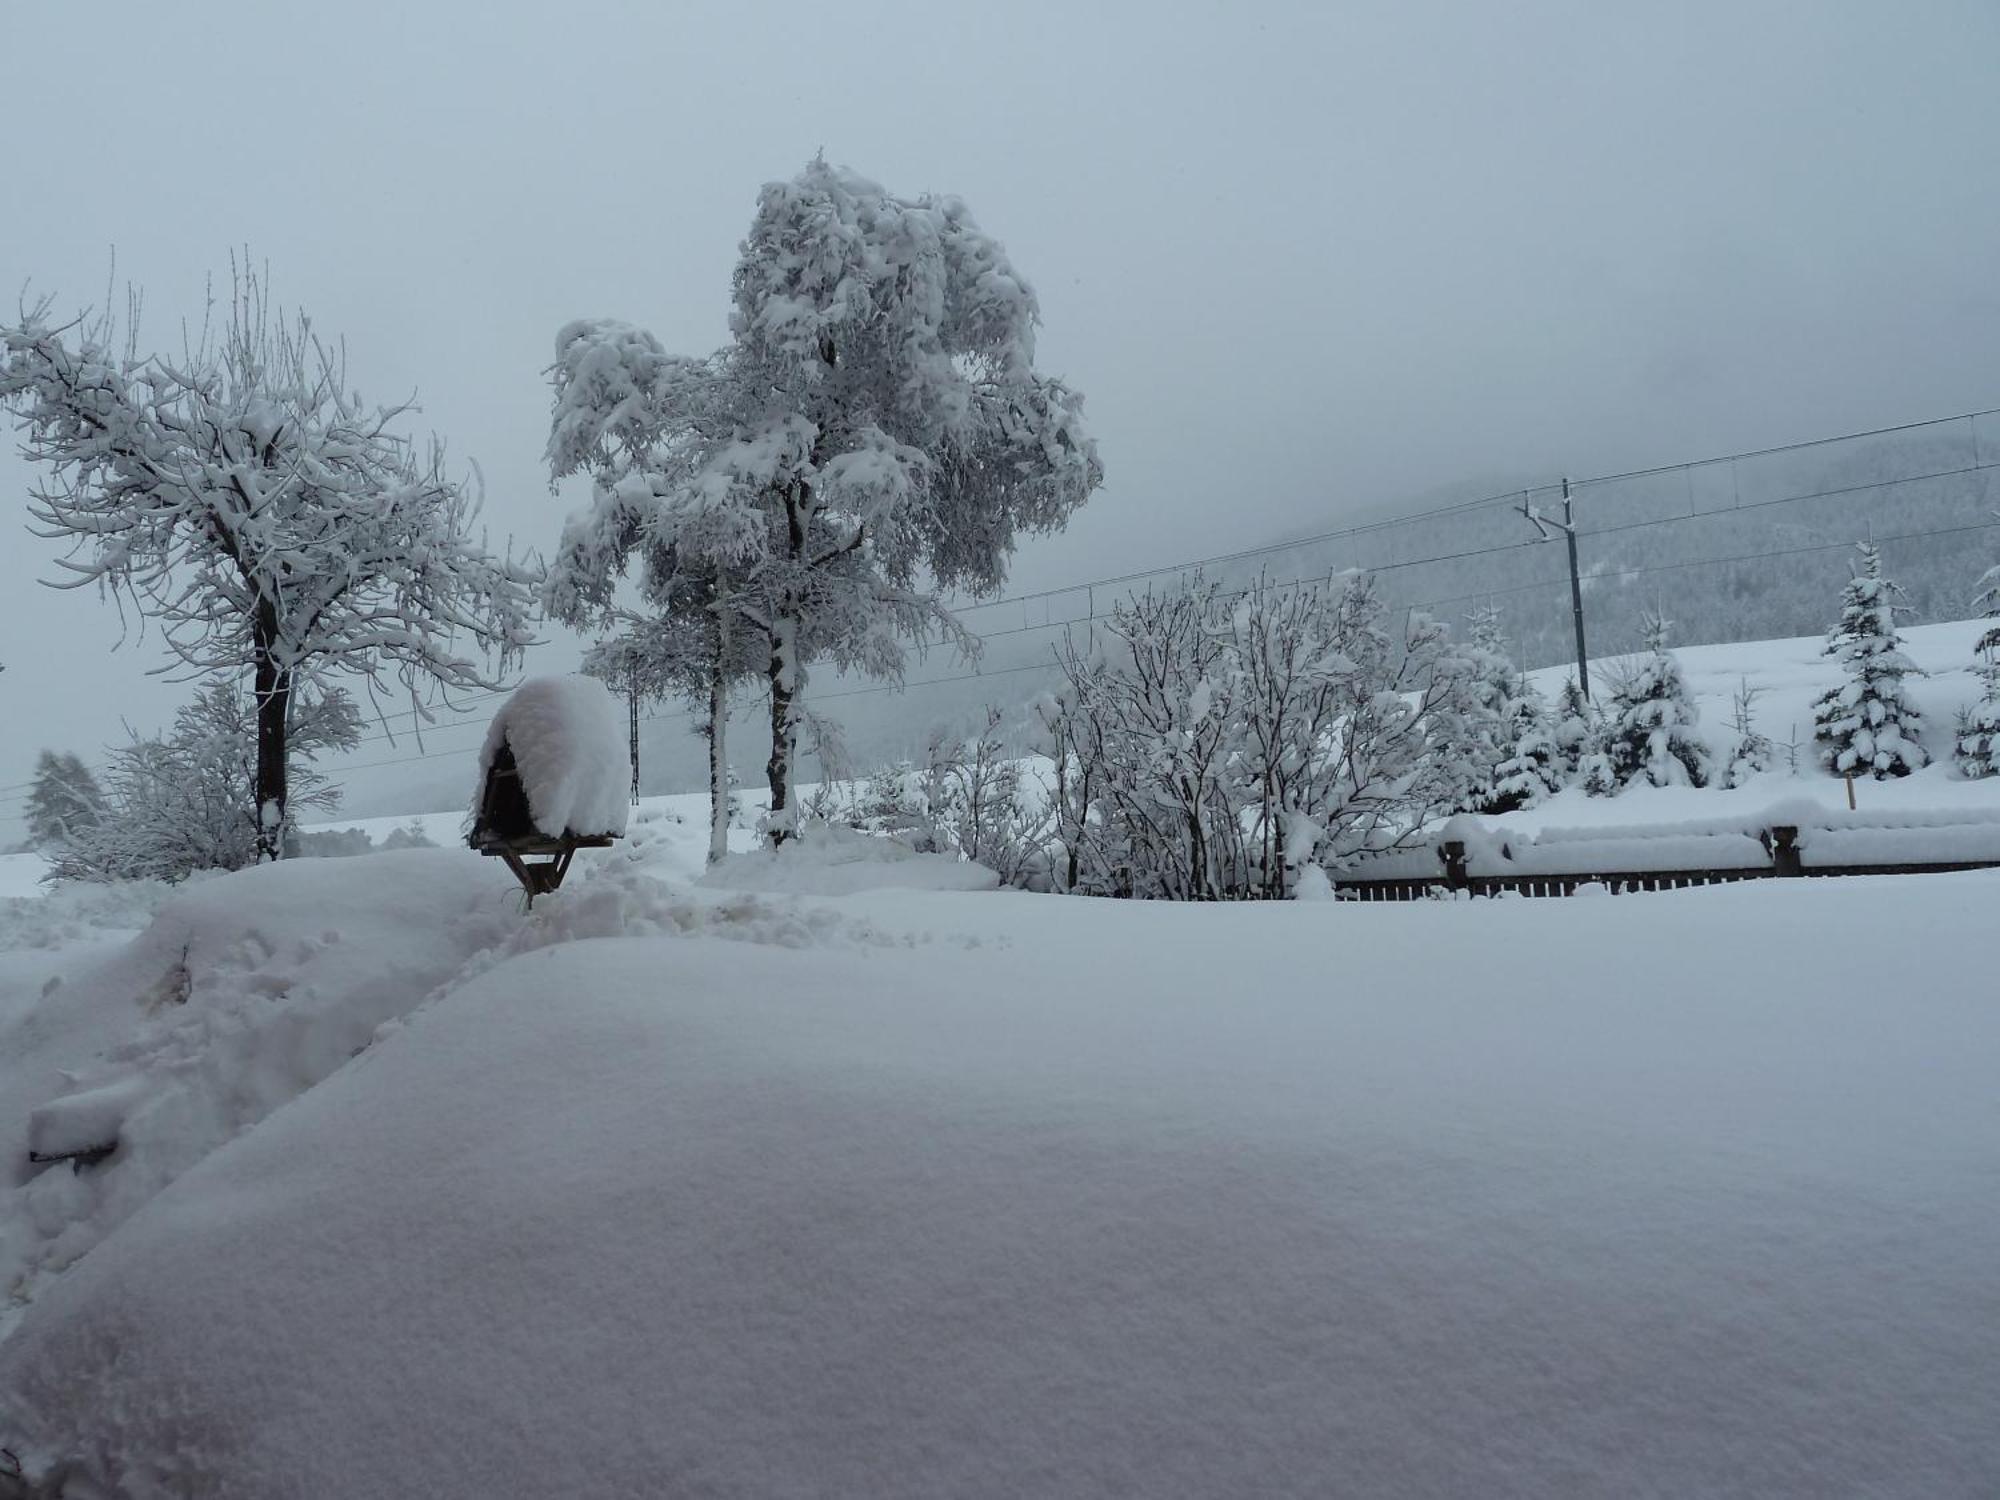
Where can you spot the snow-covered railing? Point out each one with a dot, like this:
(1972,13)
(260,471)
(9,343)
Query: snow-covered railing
(1796,838)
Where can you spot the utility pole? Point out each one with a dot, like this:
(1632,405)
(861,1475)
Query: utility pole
(1548,526)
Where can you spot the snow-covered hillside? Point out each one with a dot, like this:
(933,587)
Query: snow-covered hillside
(676,1187)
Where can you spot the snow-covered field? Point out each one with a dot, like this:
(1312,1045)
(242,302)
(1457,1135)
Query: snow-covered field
(844,1173)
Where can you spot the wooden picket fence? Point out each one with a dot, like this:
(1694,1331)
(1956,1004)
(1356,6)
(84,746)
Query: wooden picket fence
(1455,875)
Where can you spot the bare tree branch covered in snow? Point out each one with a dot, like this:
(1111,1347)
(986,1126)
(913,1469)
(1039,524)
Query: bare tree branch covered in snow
(1234,745)
(874,434)
(247,500)
(183,801)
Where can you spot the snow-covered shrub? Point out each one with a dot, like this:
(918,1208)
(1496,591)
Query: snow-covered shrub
(330,843)
(1228,742)
(1754,753)
(978,805)
(1868,725)
(1649,726)
(186,800)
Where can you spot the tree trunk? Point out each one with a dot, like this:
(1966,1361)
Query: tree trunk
(783,821)
(718,742)
(273,687)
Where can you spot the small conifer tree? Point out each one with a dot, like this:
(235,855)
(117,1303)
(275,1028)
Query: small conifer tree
(1868,725)
(1754,753)
(1650,732)
(65,800)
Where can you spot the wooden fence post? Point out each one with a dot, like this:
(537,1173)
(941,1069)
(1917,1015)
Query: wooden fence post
(1452,852)
(1784,845)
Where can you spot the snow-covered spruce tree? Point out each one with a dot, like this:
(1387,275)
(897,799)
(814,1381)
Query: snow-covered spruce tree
(1484,721)
(1754,752)
(185,800)
(64,800)
(1532,772)
(1513,759)
(243,497)
(1575,728)
(1649,729)
(1976,748)
(1868,726)
(875,433)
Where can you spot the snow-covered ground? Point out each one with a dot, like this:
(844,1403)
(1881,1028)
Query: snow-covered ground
(844,1173)
(672,1188)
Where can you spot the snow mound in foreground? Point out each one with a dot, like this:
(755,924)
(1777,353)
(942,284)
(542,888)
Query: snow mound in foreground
(245,991)
(827,860)
(1143,1204)
(572,751)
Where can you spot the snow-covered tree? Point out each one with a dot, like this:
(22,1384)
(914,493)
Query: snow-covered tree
(1483,724)
(1976,747)
(64,800)
(247,500)
(1533,771)
(1753,753)
(186,800)
(1575,727)
(875,433)
(1868,725)
(686,652)
(1513,758)
(1223,745)
(1649,730)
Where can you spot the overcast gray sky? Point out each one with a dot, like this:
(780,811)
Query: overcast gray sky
(1303,259)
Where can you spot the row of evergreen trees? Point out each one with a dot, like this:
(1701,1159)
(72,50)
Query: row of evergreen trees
(1646,728)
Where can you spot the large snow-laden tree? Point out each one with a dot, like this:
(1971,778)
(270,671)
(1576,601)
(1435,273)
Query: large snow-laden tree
(244,498)
(874,435)
(1868,725)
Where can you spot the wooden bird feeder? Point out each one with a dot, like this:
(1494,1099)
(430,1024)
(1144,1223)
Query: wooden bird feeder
(504,822)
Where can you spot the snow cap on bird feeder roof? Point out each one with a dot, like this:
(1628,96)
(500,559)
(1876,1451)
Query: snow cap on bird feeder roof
(568,747)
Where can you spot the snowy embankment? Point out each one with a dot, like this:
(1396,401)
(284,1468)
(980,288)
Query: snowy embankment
(1682,1194)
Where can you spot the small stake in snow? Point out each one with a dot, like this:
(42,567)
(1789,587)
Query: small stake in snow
(1850,793)
(554,759)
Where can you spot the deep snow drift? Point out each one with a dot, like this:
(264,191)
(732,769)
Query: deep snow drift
(1660,1195)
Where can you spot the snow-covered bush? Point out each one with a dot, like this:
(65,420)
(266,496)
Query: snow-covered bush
(1649,725)
(1868,725)
(186,800)
(1228,742)
(976,804)
(1754,753)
